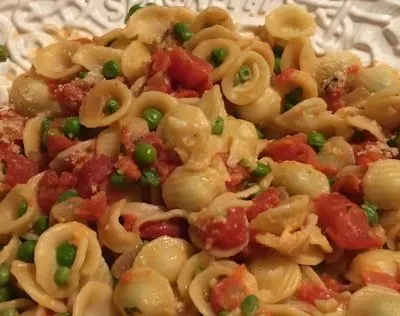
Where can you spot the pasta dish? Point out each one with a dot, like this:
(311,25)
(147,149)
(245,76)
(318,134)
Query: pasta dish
(178,167)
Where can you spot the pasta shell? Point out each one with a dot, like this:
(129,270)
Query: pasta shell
(108,142)
(212,16)
(377,78)
(299,54)
(114,39)
(159,100)
(55,61)
(9,251)
(336,153)
(81,149)
(135,60)
(212,104)
(32,138)
(183,14)
(91,112)
(263,49)
(297,79)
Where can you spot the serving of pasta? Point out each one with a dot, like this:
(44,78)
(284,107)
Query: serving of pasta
(178,167)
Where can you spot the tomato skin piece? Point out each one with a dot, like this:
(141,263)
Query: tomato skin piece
(380,278)
(285,76)
(19,169)
(332,284)
(231,232)
(264,201)
(237,173)
(58,143)
(160,61)
(345,222)
(93,208)
(228,293)
(311,292)
(175,227)
(70,96)
(128,167)
(350,185)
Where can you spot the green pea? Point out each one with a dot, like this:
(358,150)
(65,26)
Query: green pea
(82,74)
(223,313)
(9,312)
(278,50)
(150,177)
(372,212)
(218,56)
(182,32)
(4,274)
(63,314)
(131,11)
(111,69)
(218,126)
(394,141)
(244,73)
(260,133)
(22,208)
(66,254)
(66,195)
(3,53)
(153,117)
(41,225)
(45,127)
(26,251)
(118,180)
(250,305)
(294,96)
(111,106)
(277,65)
(261,170)
(72,127)
(316,140)
(331,181)
(145,154)
(287,106)
(61,275)
(245,163)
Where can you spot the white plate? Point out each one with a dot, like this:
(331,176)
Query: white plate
(371,28)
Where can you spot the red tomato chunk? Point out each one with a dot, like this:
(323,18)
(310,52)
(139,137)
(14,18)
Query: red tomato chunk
(58,143)
(19,169)
(380,278)
(93,208)
(175,227)
(264,201)
(311,292)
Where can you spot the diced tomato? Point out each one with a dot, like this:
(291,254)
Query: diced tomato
(114,194)
(58,143)
(126,141)
(264,201)
(237,173)
(51,186)
(368,152)
(353,69)
(345,222)
(311,292)
(334,98)
(70,96)
(225,233)
(175,227)
(182,93)
(93,208)
(349,185)
(19,169)
(285,76)
(160,61)
(380,278)
(253,249)
(129,221)
(12,126)
(128,167)
(93,174)
(158,82)
(228,293)
(332,284)
(83,40)
(369,157)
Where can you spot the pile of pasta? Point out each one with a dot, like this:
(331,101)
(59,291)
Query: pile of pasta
(178,167)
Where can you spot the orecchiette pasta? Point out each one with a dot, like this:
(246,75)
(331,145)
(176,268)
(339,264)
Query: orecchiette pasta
(212,16)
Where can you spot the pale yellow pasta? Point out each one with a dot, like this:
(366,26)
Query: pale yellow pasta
(135,127)
(9,251)
(193,266)
(356,98)
(297,79)
(92,57)
(381,184)
(377,78)
(20,304)
(135,60)
(151,214)
(37,311)
(286,310)
(32,138)
(390,221)
(149,24)
(212,104)
(81,149)
(364,123)
(56,60)
(86,261)
(94,299)
(108,142)
(112,234)
(101,275)
(210,17)
(25,275)
(251,90)
(91,113)
(374,300)
(290,22)
(113,39)
(264,49)
(204,51)
(166,255)
(151,99)
(336,153)
(183,14)
(192,190)
(263,110)
(277,276)
(300,178)
(30,95)
(146,290)
(11,222)
(299,54)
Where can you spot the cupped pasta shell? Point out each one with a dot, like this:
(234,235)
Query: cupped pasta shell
(55,61)
(212,16)
(147,290)
(91,112)
(94,298)
(108,142)
(86,261)
(212,104)
(81,149)
(297,79)
(377,78)
(30,95)
(183,14)
(25,275)
(299,54)
(112,234)
(114,39)
(149,24)
(251,90)
(10,222)
(336,153)
(35,311)
(9,251)
(92,57)
(204,51)
(32,138)
(151,99)
(289,22)
(166,255)
(135,60)
(264,49)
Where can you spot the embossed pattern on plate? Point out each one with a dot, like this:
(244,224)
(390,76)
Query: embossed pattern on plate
(371,28)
